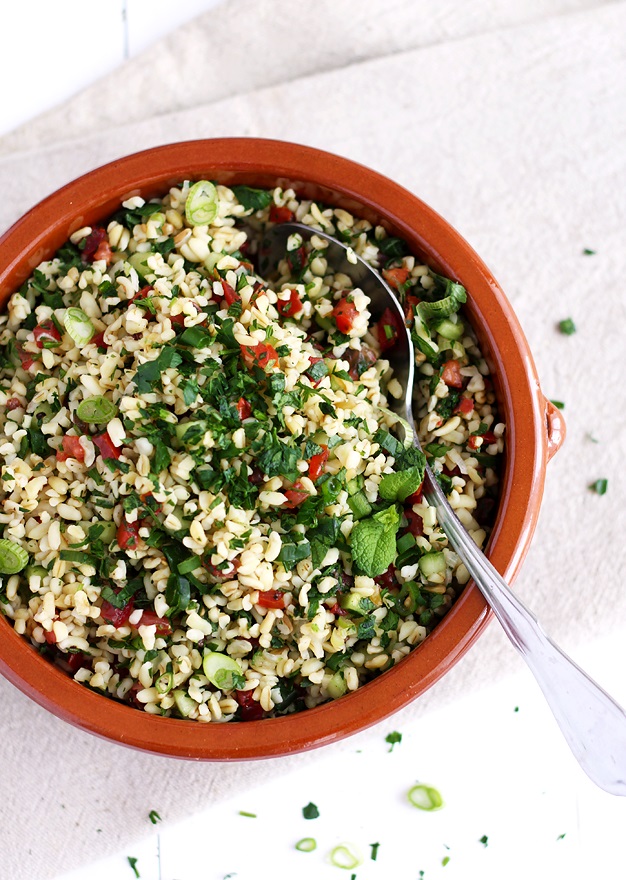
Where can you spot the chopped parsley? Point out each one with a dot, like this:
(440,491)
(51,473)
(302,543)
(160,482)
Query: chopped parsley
(154,817)
(393,739)
(133,864)
(484,840)
(310,811)
(587,252)
(558,403)
(600,486)
(374,854)
(567,327)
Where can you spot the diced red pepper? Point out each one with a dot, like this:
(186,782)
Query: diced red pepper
(244,409)
(261,355)
(317,462)
(415,523)
(178,319)
(271,599)
(465,406)
(337,610)
(13,403)
(289,308)
(230,294)
(151,618)
(91,244)
(249,708)
(106,446)
(72,448)
(396,276)
(295,496)
(128,535)
(26,358)
(489,437)
(344,314)
(416,497)
(281,214)
(388,330)
(451,374)
(98,340)
(117,616)
(46,332)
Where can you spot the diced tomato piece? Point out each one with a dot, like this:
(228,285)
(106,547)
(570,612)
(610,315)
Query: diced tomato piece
(50,637)
(77,661)
(344,314)
(257,476)
(281,214)
(317,462)
(46,332)
(98,340)
(465,406)
(154,506)
(244,409)
(395,277)
(409,305)
(72,448)
(117,616)
(178,319)
(474,442)
(261,355)
(489,437)
(388,330)
(93,241)
(219,573)
(451,374)
(151,618)
(249,708)
(272,599)
(296,260)
(26,359)
(359,361)
(388,578)
(290,307)
(106,446)
(415,523)
(103,252)
(128,535)
(416,497)
(13,403)
(230,294)
(337,610)
(295,496)
(452,472)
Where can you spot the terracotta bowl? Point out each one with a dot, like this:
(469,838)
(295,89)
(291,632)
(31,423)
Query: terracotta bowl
(535,431)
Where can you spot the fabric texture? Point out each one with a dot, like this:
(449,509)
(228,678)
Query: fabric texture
(509,122)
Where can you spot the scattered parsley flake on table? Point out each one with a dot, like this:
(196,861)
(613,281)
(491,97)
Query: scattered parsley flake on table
(600,486)
(247,815)
(445,861)
(558,403)
(561,836)
(310,811)
(374,854)
(133,863)
(567,327)
(587,252)
(484,840)
(154,817)
(393,739)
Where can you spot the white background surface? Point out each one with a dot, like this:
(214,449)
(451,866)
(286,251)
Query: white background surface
(502,773)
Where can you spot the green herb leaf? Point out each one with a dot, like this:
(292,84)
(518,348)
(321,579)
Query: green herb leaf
(133,863)
(393,739)
(558,403)
(398,487)
(600,486)
(252,199)
(567,327)
(484,840)
(310,811)
(148,375)
(373,542)
(374,854)
(154,817)
(588,252)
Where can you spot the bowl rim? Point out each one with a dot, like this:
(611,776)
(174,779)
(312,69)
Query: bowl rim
(93,196)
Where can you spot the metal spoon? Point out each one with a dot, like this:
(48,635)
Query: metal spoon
(593,724)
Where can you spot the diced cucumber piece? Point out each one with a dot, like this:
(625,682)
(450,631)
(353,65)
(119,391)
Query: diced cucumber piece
(352,602)
(359,505)
(184,703)
(336,686)
(183,520)
(35,571)
(449,330)
(184,433)
(326,324)
(139,262)
(222,671)
(432,563)
(345,624)
(355,485)
(108,531)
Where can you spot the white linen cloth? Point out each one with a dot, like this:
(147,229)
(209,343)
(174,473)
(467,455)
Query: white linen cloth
(508,121)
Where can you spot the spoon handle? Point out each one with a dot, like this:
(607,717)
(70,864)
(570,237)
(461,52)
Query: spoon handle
(592,723)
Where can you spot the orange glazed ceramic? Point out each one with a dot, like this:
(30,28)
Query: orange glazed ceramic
(535,430)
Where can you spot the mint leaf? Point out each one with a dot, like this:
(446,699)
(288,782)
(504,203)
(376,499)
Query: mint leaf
(251,198)
(373,542)
(398,487)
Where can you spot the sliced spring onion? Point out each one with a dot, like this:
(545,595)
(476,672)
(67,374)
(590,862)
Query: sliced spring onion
(202,203)
(13,557)
(164,683)
(307,844)
(35,571)
(222,670)
(96,410)
(425,797)
(438,310)
(78,326)
(337,686)
(345,856)
(432,563)
(184,703)
(139,262)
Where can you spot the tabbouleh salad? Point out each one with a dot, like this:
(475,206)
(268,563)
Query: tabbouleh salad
(205,512)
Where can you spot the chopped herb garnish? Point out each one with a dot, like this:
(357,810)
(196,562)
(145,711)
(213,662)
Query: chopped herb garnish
(374,854)
(484,840)
(599,487)
(558,403)
(154,817)
(393,739)
(425,797)
(588,252)
(561,836)
(445,861)
(310,811)
(133,864)
(247,815)
(567,327)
